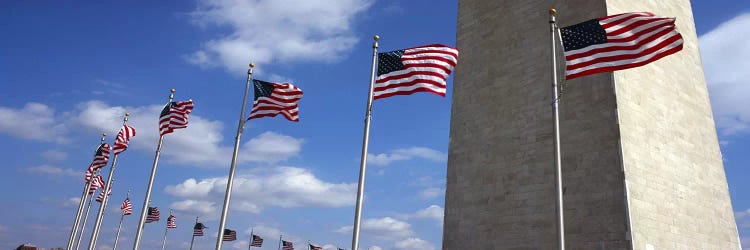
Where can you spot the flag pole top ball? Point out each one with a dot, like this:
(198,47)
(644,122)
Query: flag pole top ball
(252,65)
(376,37)
(127,113)
(552,11)
(171,90)
(104,134)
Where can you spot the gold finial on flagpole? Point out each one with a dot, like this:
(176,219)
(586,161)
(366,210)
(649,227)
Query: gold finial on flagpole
(552,11)
(127,113)
(376,38)
(252,65)
(172,90)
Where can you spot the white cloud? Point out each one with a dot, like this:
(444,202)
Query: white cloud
(35,121)
(281,187)
(275,31)
(429,193)
(198,145)
(402,154)
(263,230)
(240,244)
(742,218)
(386,228)
(434,212)
(374,248)
(71,202)
(414,244)
(54,155)
(725,54)
(54,171)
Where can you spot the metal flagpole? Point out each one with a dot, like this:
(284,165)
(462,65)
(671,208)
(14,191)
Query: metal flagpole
(107,186)
(104,203)
(365,141)
(193,239)
(280,235)
(146,199)
(117,236)
(166,229)
(79,213)
(252,238)
(228,193)
(556,112)
(85,219)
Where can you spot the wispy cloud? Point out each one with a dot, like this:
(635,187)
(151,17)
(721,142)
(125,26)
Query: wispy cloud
(53,171)
(403,154)
(275,31)
(35,121)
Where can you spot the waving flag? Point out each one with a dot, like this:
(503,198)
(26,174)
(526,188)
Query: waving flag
(286,245)
(127,207)
(174,116)
(198,229)
(96,184)
(100,198)
(100,160)
(153,214)
(257,241)
(314,247)
(618,42)
(418,69)
(272,99)
(229,235)
(170,222)
(123,138)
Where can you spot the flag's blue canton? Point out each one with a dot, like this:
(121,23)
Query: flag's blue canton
(262,89)
(583,35)
(390,61)
(167,109)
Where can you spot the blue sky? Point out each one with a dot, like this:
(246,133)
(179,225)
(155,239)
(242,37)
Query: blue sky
(68,71)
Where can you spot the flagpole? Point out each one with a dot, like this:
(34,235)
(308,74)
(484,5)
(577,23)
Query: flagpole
(365,141)
(146,199)
(107,186)
(230,179)
(556,112)
(252,238)
(193,239)
(166,229)
(122,217)
(79,213)
(280,235)
(85,219)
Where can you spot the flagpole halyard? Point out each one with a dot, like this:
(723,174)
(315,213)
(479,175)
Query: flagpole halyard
(147,198)
(230,178)
(107,186)
(365,142)
(556,113)
(79,213)
(119,227)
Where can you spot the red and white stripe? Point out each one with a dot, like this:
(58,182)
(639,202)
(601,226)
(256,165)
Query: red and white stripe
(177,117)
(96,184)
(170,222)
(283,100)
(633,40)
(123,138)
(99,161)
(426,69)
(100,198)
(126,207)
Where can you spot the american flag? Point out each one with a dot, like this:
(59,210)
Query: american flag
(257,241)
(286,245)
(100,160)
(127,207)
(96,184)
(100,198)
(618,42)
(170,222)
(123,138)
(174,116)
(229,235)
(314,247)
(153,214)
(272,99)
(198,229)
(418,69)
